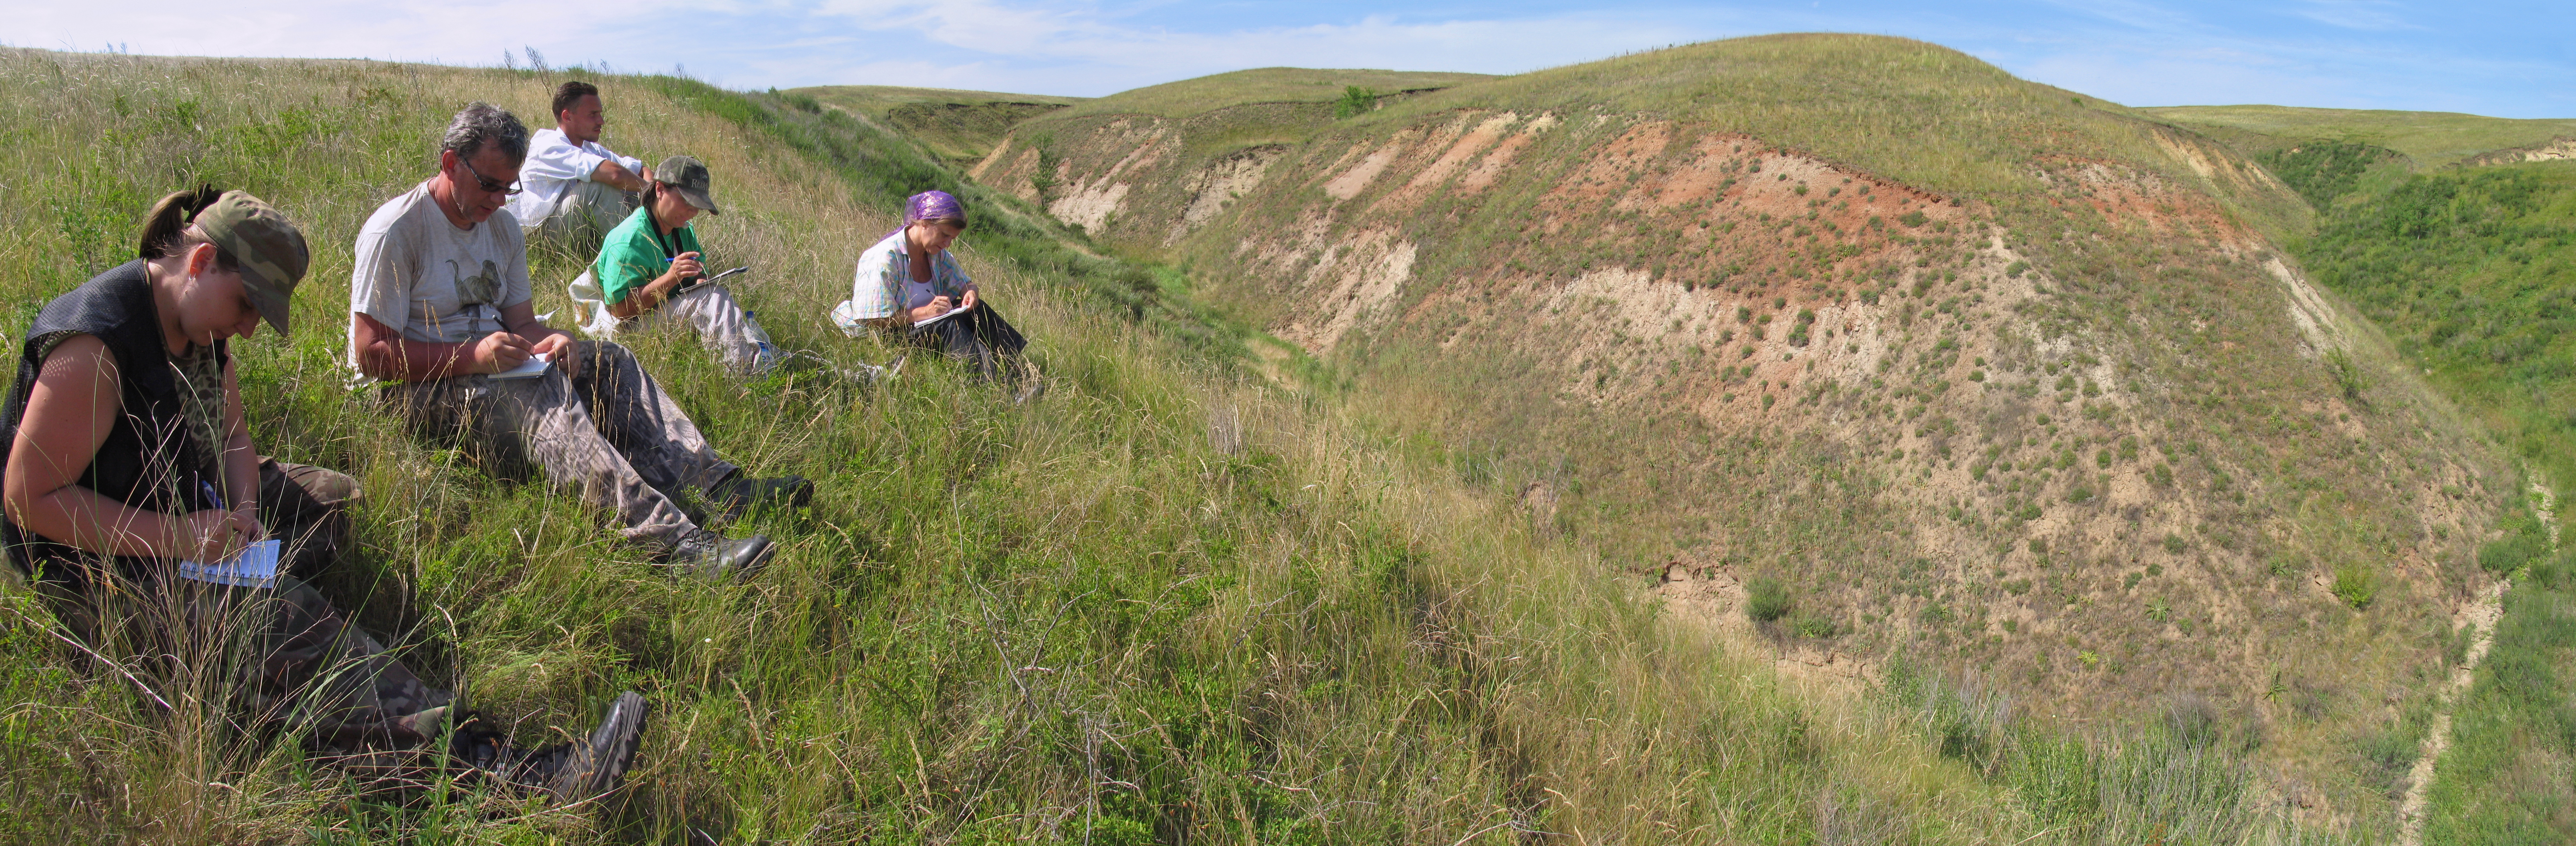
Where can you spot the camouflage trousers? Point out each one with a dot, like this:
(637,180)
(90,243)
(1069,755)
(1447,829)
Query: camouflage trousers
(582,216)
(610,431)
(307,507)
(721,324)
(284,657)
(280,657)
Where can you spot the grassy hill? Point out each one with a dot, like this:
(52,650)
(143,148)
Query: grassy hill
(955,125)
(2430,139)
(1871,355)
(1265,85)
(1169,603)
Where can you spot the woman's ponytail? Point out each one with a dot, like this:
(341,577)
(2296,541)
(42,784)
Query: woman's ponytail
(165,228)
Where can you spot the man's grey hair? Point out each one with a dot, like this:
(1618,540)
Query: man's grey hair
(483,123)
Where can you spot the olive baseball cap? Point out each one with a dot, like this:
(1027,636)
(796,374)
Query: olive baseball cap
(271,252)
(689,177)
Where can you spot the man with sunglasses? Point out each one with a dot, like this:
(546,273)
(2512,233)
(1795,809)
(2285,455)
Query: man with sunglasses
(440,304)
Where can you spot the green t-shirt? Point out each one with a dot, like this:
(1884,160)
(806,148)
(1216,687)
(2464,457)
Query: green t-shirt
(635,253)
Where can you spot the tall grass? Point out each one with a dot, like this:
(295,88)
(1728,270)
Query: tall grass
(2506,778)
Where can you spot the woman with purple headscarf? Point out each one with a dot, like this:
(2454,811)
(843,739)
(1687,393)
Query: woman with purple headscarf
(910,284)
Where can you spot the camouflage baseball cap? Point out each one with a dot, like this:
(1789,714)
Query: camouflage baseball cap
(689,177)
(271,251)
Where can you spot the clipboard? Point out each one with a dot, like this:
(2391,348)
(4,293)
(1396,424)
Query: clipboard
(953,312)
(706,280)
(254,567)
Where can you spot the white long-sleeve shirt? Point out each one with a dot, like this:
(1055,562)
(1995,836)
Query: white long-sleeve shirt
(554,166)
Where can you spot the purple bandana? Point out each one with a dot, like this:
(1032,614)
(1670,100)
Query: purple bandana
(931,205)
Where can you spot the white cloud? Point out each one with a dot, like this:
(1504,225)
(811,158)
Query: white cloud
(2367,15)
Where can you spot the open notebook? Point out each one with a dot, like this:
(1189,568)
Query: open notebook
(255,566)
(532,368)
(942,316)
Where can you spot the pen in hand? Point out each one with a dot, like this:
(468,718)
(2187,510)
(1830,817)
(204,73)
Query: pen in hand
(232,533)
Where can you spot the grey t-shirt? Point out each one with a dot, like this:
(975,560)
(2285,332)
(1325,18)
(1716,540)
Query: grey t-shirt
(434,282)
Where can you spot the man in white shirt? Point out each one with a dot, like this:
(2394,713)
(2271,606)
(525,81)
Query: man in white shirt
(439,307)
(575,188)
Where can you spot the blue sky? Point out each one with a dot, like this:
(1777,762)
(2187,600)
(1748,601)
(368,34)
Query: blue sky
(2509,59)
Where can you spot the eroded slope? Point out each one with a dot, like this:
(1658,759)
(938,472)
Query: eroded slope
(1983,372)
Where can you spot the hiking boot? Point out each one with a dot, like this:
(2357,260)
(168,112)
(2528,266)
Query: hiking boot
(591,767)
(737,494)
(474,745)
(712,556)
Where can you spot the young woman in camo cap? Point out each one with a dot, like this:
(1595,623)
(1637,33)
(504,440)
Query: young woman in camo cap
(126,465)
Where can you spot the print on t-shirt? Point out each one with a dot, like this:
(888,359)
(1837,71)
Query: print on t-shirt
(478,289)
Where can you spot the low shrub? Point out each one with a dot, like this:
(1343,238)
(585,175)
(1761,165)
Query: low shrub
(2356,585)
(1767,599)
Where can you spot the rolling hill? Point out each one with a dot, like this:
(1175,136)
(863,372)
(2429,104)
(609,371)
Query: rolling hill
(2430,139)
(1865,355)
(955,125)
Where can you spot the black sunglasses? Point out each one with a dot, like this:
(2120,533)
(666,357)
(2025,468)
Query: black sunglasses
(488,184)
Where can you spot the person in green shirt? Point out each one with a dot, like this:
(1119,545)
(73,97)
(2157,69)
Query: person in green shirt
(649,265)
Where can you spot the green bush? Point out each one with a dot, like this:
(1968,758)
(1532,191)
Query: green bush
(2356,584)
(2348,377)
(1355,101)
(1766,599)
(2525,542)
(2324,170)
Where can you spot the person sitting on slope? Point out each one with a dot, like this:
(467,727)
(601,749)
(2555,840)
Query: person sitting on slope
(653,254)
(910,284)
(575,188)
(126,458)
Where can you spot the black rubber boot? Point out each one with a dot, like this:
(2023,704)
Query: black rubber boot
(737,495)
(711,556)
(591,767)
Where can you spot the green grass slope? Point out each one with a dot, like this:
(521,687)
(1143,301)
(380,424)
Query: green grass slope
(1875,354)
(2472,272)
(2431,139)
(958,126)
(1167,604)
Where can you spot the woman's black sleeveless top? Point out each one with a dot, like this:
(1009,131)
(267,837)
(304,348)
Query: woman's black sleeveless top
(148,461)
